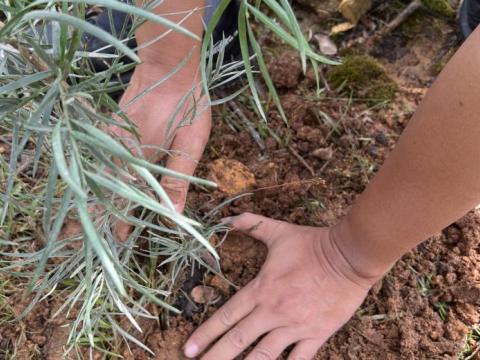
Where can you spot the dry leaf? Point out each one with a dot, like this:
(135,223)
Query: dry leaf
(353,10)
(324,154)
(342,27)
(326,45)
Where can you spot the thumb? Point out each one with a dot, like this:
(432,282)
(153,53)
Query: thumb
(257,226)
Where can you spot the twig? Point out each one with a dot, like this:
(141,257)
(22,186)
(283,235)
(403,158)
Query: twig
(400,18)
(472,355)
(26,162)
(314,181)
(396,22)
(324,166)
(237,110)
(301,159)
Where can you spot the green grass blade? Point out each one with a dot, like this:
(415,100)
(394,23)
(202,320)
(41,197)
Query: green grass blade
(61,162)
(51,239)
(84,26)
(24,82)
(106,142)
(98,247)
(264,71)
(208,36)
(245,50)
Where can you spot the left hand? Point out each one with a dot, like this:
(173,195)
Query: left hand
(305,291)
(152,113)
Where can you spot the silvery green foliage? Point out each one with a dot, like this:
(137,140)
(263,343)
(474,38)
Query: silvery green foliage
(54,109)
(62,166)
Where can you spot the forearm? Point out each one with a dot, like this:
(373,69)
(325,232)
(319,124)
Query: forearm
(174,46)
(161,50)
(431,178)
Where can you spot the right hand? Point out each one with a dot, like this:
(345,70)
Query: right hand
(304,293)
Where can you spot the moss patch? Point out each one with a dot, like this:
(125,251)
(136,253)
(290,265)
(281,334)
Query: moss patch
(364,77)
(441,7)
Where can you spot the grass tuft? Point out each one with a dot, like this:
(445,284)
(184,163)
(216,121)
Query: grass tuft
(363,77)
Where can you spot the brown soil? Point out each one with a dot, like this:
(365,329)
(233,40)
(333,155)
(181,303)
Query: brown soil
(425,306)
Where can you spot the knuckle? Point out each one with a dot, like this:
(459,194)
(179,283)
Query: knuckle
(243,217)
(176,188)
(226,315)
(263,354)
(174,183)
(237,338)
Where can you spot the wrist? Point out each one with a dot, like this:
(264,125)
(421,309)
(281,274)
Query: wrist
(171,53)
(161,45)
(334,262)
(175,81)
(363,261)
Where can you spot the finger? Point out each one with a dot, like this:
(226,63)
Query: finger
(238,307)
(241,336)
(272,346)
(305,350)
(257,226)
(122,230)
(186,150)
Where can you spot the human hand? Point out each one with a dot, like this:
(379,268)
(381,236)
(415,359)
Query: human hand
(152,115)
(305,292)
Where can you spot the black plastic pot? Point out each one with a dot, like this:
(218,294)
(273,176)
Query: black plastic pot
(226,30)
(469,17)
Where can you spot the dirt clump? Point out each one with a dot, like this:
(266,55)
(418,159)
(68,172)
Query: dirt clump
(231,176)
(168,344)
(285,69)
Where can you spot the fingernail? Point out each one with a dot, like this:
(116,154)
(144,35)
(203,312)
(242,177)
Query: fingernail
(191,350)
(178,208)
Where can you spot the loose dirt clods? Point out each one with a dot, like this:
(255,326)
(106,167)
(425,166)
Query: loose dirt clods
(427,306)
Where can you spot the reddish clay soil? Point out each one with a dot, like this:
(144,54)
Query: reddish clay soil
(424,307)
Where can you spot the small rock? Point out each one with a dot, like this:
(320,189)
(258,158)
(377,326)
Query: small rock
(451,278)
(324,154)
(204,294)
(372,150)
(326,45)
(381,138)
